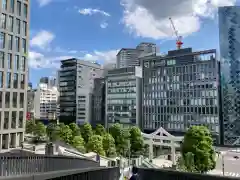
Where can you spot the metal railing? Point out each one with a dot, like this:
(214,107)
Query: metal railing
(99,173)
(13,165)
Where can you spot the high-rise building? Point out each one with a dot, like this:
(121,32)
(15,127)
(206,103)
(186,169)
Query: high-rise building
(229,33)
(98,104)
(14,35)
(30,103)
(45,102)
(147,48)
(180,90)
(44,80)
(128,57)
(123,97)
(76,80)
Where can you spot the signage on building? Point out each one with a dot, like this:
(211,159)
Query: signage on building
(138,71)
(28,116)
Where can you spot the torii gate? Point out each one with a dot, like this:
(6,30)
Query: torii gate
(159,138)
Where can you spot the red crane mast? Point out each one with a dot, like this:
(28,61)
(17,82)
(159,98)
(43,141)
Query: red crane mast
(179,42)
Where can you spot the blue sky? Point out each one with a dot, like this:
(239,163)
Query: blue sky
(97,29)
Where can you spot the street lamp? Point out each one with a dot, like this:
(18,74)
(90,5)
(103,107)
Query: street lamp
(223,164)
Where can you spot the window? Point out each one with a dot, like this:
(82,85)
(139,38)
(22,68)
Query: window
(17,39)
(18,26)
(3,21)
(6,120)
(25,11)
(24,26)
(8,80)
(14,119)
(12,6)
(10,23)
(1,79)
(22,81)
(1,99)
(9,61)
(4,4)
(2,40)
(15,81)
(16,63)
(14,99)
(7,99)
(19,12)
(1,59)
(23,63)
(20,122)
(10,42)
(24,46)
(21,100)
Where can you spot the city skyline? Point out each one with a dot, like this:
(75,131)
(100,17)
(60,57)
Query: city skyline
(96,33)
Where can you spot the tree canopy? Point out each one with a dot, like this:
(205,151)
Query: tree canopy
(100,130)
(121,137)
(136,140)
(78,143)
(30,125)
(87,132)
(95,144)
(197,149)
(39,130)
(75,129)
(65,133)
(53,131)
(109,145)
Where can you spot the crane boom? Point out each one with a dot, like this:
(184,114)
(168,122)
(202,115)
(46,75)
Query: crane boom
(179,42)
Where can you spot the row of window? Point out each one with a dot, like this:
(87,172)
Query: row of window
(15,122)
(11,101)
(8,22)
(13,42)
(12,80)
(17,64)
(15,7)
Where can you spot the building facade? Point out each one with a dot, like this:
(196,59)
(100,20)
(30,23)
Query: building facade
(229,34)
(76,81)
(123,97)
(14,37)
(181,90)
(45,102)
(129,57)
(98,104)
(30,102)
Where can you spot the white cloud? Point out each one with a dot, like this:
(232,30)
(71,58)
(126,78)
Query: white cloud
(42,39)
(44,2)
(150,18)
(40,61)
(104,25)
(90,11)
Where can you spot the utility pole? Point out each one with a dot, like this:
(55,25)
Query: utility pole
(223,165)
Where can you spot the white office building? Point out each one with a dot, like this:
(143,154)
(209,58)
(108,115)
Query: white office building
(45,102)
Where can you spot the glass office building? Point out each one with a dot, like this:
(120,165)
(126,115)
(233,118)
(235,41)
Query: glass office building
(181,90)
(229,37)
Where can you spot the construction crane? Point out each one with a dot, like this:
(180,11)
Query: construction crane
(179,42)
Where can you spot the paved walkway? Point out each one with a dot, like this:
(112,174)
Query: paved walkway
(219,172)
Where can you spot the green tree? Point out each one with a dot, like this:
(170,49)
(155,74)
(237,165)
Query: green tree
(198,146)
(53,131)
(95,144)
(87,132)
(186,164)
(30,125)
(65,134)
(75,129)
(136,140)
(109,145)
(78,143)
(121,137)
(100,130)
(39,130)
